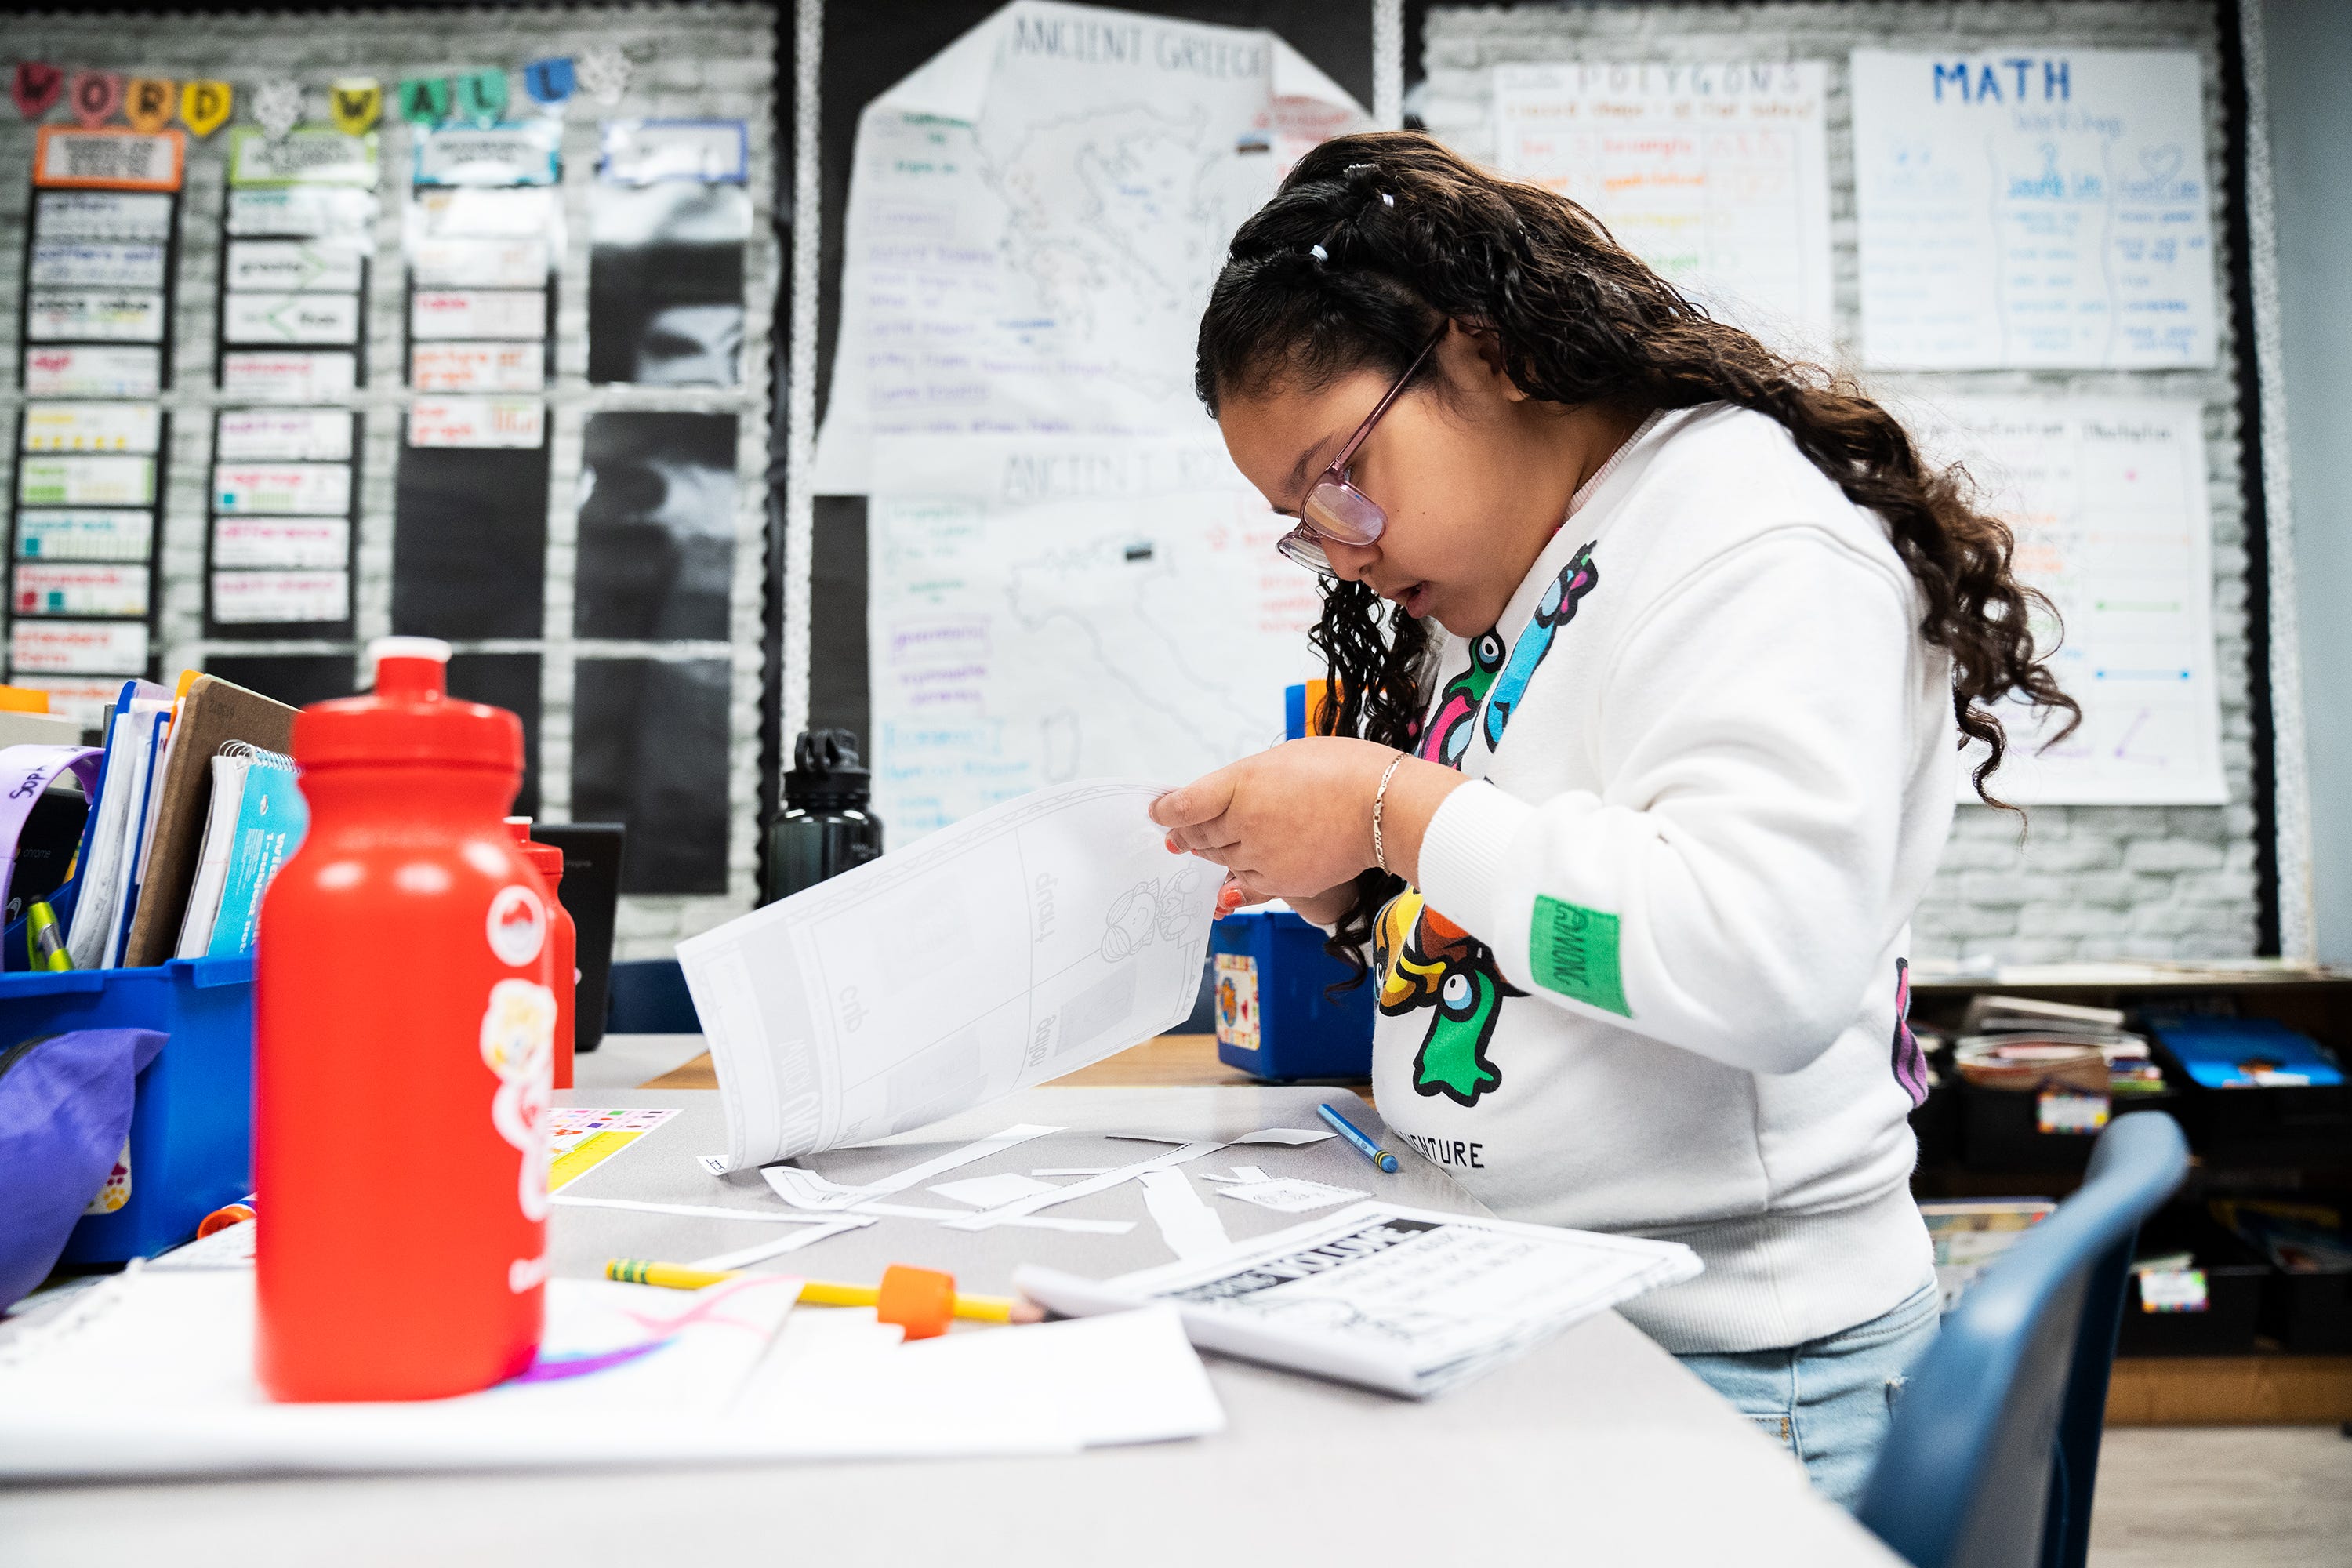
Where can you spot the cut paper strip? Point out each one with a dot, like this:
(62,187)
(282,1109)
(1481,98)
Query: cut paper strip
(1190,1227)
(692,1211)
(1290,1135)
(1018,1211)
(818,1193)
(745,1257)
(1069,1170)
(987,1192)
(1251,1174)
(1291,1195)
(799,1187)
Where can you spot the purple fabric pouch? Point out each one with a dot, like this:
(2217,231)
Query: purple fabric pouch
(65,1108)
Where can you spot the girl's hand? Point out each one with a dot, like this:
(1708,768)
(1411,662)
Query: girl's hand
(1296,822)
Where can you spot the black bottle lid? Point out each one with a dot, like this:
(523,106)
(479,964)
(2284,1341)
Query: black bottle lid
(825,772)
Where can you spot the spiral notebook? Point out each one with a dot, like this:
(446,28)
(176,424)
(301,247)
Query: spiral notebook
(212,714)
(257,820)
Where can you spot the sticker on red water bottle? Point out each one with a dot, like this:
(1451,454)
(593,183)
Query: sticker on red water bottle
(517,925)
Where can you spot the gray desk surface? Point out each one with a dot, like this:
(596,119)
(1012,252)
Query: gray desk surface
(1596,1448)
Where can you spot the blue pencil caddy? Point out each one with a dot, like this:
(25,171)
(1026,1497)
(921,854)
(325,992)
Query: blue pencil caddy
(1272,1018)
(191,1114)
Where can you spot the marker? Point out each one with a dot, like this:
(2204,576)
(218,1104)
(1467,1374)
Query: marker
(43,942)
(1346,1128)
(917,1298)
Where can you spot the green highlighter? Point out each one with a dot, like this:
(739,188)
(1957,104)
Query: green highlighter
(45,942)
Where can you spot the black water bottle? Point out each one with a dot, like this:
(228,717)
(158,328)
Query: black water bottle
(824,827)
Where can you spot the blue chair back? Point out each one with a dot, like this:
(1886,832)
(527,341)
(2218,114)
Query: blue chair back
(648,996)
(1995,1445)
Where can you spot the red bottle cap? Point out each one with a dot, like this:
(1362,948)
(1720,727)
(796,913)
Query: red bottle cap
(546,858)
(408,718)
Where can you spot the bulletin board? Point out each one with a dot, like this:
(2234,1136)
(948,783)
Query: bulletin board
(451,321)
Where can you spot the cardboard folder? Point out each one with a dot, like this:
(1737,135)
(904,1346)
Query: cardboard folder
(213,713)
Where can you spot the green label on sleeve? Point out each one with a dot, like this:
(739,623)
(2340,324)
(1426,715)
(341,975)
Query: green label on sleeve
(1573,951)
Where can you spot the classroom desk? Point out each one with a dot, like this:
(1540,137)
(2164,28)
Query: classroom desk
(1597,1447)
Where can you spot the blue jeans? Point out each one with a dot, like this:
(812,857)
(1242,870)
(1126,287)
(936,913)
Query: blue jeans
(1830,1400)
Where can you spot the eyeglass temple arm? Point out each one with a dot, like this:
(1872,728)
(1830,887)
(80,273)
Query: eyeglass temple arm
(1365,429)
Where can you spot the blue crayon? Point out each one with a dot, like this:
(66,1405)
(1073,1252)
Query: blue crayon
(1354,1134)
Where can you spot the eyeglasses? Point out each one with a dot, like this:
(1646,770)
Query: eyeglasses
(1335,510)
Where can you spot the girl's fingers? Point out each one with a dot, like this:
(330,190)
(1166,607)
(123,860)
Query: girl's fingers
(1202,800)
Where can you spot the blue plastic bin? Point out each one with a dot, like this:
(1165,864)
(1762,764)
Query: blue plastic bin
(1272,1018)
(192,1120)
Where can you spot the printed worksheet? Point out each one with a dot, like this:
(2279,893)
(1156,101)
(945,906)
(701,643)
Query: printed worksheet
(1035,218)
(1017,946)
(2033,208)
(1715,175)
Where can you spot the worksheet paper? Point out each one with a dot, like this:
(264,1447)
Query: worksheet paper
(1036,215)
(1715,175)
(2108,499)
(1407,1300)
(1031,939)
(150,1373)
(2033,207)
(1041,609)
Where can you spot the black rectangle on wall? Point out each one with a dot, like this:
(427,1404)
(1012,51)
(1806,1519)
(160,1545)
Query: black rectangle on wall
(469,542)
(657,527)
(649,748)
(507,680)
(297,679)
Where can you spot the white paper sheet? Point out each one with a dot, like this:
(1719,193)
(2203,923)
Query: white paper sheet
(2033,207)
(1035,216)
(807,1190)
(1715,175)
(2107,497)
(1403,1300)
(1045,607)
(1190,1227)
(692,1211)
(151,1375)
(1029,940)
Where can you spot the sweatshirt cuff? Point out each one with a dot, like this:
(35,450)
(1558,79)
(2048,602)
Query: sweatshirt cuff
(1466,852)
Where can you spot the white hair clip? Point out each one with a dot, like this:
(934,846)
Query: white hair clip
(1318,252)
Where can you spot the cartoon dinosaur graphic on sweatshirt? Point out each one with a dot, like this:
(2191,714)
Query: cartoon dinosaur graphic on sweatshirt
(1455,720)
(1427,960)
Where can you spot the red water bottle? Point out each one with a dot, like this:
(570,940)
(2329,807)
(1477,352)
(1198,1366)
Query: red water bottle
(564,935)
(403,1036)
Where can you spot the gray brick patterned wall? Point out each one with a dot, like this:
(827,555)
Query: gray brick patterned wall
(2087,882)
(698,62)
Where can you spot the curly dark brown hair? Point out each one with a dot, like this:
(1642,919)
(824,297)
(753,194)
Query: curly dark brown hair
(1374,238)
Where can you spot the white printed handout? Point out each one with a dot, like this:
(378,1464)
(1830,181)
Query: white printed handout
(1036,215)
(2108,499)
(1019,945)
(2035,208)
(1044,609)
(1714,174)
(1402,1300)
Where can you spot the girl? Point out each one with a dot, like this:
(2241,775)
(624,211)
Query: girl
(1636,779)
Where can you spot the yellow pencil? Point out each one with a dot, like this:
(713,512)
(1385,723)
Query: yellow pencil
(814,1292)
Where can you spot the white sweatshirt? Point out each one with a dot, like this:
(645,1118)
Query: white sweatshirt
(1716,764)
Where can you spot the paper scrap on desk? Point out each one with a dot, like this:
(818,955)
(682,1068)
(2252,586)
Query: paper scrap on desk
(1190,1227)
(1290,1195)
(1069,1170)
(584,1138)
(1241,1174)
(1022,1211)
(1032,938)
(987,1192)
(797,1186)
(1291,1135)
(760,1251)
(714,1164)
(811,1191)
